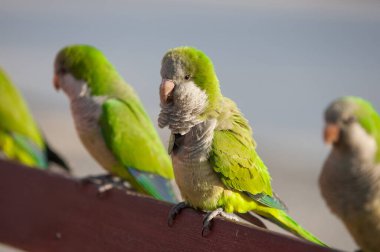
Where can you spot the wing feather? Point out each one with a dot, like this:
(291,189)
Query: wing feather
(132,138)
(233,156)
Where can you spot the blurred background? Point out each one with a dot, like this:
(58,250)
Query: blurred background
(283,62)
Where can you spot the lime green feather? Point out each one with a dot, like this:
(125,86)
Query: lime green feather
(133,139)
(233,155)
(282,219)
(20,138)
(234,158)
(17,147)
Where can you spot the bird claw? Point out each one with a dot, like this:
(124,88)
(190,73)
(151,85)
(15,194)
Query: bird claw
(102,189)
(174,211)
(104,183)
(97,179)
(207,220)
(206,230)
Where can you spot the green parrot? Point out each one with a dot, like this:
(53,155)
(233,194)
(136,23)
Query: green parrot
(112,123)
(350,177)
(216,166)
(20,138)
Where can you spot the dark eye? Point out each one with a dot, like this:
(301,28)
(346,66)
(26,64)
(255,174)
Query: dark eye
(63,70)
(187,77)
(349,120)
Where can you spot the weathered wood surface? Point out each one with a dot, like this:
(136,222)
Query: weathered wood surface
(41,211)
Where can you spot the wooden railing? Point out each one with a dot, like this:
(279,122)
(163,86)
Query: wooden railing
(42,211)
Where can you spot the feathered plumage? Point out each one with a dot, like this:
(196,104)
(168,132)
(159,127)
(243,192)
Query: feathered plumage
(350,177)
(112,123)
(215,161)
(20,138)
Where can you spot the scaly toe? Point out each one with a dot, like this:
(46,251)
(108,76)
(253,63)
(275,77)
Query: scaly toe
(174,211)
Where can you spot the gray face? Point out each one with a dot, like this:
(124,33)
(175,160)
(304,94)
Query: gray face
(341,112)
(176,69)
(180,109)
(60,65)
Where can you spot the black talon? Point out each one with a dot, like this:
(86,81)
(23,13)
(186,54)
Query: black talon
(97,179)
(174,211)
(206,229)
(207,221)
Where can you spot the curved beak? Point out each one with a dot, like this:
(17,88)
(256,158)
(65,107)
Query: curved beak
(331,133)
(166,89)
(56,82)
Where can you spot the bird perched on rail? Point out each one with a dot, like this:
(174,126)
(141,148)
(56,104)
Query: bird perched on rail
(216,165)
(350,177)
(20,138)
(112,123)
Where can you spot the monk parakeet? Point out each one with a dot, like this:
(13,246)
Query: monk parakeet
(20,138)
(216,166)
(112,123)
(350,177)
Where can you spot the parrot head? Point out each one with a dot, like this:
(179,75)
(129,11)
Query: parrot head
(186,69)
(77,65)
(352,122)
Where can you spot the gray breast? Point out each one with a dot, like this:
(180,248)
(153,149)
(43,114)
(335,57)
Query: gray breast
(200,186)
(86,113)
(196,144)
(344,183)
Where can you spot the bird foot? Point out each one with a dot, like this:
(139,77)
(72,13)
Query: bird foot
(174,211)
(207,221)
(106,182)
(95,179)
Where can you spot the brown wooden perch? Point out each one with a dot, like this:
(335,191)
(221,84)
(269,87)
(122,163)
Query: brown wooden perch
(41,211)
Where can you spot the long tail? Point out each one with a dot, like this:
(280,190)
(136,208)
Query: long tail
(53,157)
(282,219)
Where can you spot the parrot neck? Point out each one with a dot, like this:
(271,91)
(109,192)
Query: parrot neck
(214,101)
(195,144)
(74,88)
(359,144)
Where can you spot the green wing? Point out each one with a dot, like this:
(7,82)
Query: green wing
(20,138)
(234,158)
(14,113)
(132,138)
(19,148)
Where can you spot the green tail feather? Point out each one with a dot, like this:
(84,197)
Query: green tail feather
(282,219)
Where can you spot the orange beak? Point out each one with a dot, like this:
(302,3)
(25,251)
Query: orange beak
(331,133)
(56,82)
(166,89)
